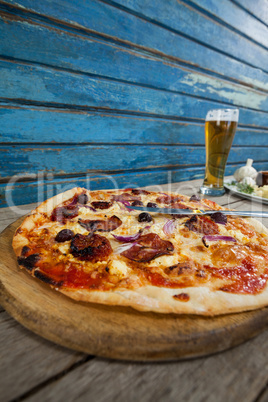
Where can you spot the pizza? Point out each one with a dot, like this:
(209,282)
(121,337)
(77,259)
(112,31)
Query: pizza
(93,247)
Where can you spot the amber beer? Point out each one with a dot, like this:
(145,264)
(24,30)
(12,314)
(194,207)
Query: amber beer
(220,128)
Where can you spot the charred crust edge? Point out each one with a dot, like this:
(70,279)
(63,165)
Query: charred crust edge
(29,262)
(44,278)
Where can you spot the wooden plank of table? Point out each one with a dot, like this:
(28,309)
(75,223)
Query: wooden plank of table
(28,360)
(9,215)
(263,397)
(238,374)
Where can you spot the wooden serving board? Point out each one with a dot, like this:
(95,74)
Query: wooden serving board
(115,332)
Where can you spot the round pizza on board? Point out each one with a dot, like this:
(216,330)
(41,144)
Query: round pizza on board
(92,247)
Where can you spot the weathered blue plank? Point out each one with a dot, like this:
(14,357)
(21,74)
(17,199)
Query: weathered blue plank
(38,125)
(60,49)
(37,191)
(186,20)
(235,17)
(76,159)
(258,8)
(121,26)
(85,158)
(33,125)
(23,193)
(44,85)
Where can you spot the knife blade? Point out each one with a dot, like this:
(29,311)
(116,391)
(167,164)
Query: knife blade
(175,211)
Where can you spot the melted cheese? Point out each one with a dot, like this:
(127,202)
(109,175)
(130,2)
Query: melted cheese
(237,234)
(64,247)
(119,268)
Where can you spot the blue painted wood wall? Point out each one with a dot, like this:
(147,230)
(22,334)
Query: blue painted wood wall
(101,92)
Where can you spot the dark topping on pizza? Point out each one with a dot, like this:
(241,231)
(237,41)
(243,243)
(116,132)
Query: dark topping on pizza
(168,199)
(126,197)
(179,205)
(184,297)
(82,199)
(101,204)
(145,217)
(91,247)
(25,250)
(137,203)
(201,273)
(108,225)
(152,205)
(164,199)
(64,235)
(172,201)
(138,191)
(219,217)
(191,221)
(178,216)
(178,269)
(194,198)
(202,224)
(30,261)
(148,247)
(78,199)
(62,214)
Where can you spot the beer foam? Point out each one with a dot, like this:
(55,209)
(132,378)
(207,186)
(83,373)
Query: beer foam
(223,115)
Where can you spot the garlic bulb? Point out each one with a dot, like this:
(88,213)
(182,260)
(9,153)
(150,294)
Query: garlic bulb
(248,180)
(245,171)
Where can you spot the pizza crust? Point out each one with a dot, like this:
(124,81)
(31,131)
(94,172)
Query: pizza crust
(48,205)
(202,300)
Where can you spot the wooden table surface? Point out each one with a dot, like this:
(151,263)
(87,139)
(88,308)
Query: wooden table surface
(34,369)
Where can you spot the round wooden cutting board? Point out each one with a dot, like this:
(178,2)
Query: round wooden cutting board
(115,332)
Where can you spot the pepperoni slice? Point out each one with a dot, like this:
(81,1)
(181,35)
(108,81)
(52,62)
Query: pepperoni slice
(101,204)
(78,199)
(101,225)
(126,197)
(70,209)
(202,224)
(91,247)
(148,247)
(138,191)
(62,214)
(169,199)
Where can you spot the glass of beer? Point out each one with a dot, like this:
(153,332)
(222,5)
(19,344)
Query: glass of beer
(220,127)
